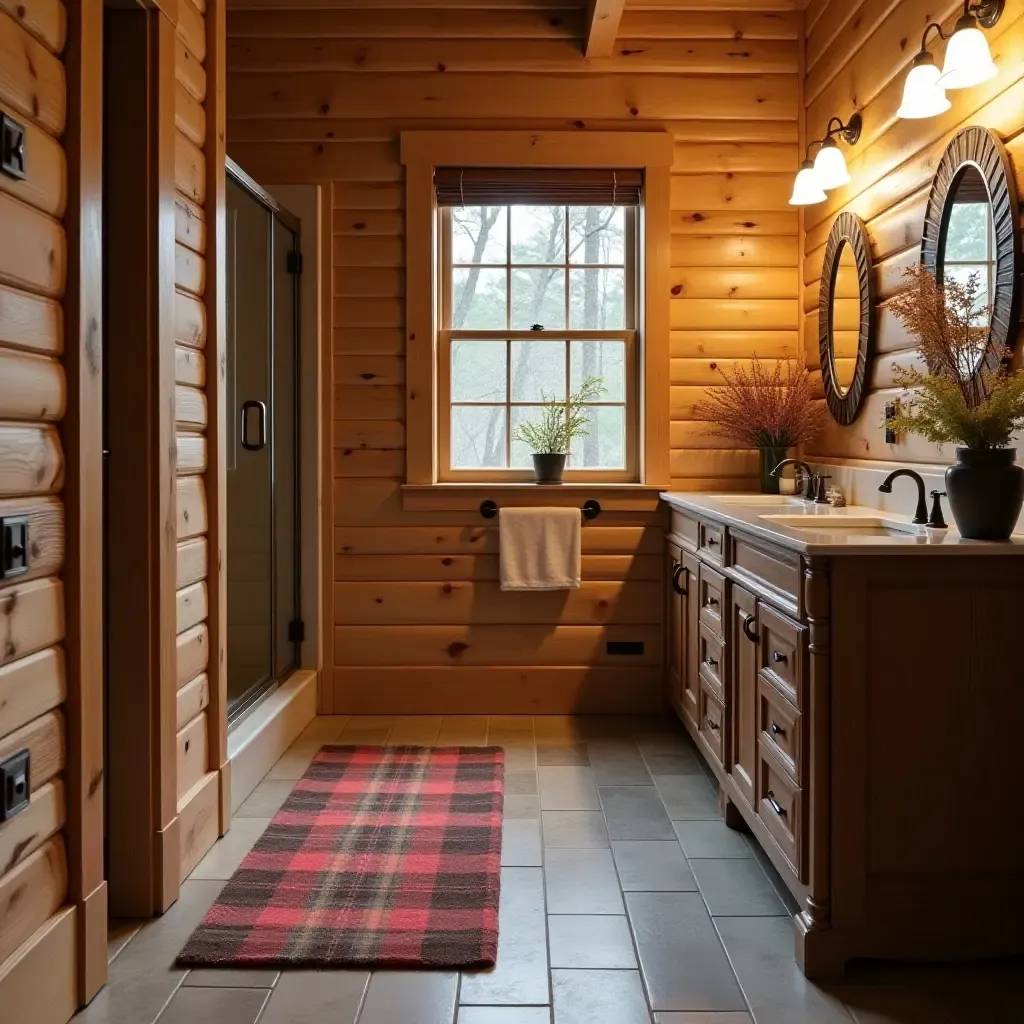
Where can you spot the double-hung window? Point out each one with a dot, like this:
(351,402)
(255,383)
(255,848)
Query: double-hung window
(537,303)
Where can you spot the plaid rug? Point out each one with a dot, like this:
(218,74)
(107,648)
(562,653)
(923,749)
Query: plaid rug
(380,855)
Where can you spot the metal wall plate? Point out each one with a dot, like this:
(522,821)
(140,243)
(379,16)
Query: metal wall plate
(15,779)
(12,148)
(13,546)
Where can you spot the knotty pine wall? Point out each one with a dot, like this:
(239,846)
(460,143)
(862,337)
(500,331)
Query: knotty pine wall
(857,57)
(321,96)
(33,261)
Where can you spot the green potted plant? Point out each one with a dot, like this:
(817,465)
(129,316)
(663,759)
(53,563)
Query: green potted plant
(961,399)
(560,423)
(764,406)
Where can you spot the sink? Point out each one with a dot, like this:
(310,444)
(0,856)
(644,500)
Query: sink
(868,526)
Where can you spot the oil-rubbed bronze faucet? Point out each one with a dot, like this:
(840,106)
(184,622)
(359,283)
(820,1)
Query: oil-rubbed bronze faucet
(921,515)
(810,477)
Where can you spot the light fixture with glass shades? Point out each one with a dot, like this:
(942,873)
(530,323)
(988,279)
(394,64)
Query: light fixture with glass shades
(828,169)
(968,62)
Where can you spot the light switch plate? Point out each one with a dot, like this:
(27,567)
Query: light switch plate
(13,546)
(12,148)
(15,784)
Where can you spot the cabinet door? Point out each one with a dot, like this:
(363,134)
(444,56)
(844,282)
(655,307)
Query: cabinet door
(742,702)
(689,679)
(674,616)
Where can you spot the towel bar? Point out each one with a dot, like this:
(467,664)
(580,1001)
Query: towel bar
(591,509)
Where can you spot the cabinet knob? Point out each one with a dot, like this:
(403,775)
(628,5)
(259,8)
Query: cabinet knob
(775,805)
(777,730)
(711,602)
(778,656)
(712,541)
(748,629)
(713,726)
(711,663)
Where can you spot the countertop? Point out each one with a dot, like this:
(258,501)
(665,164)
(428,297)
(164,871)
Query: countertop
(746,512)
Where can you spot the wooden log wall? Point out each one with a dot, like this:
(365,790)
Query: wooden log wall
(857,57)
(321,96)
(33,278)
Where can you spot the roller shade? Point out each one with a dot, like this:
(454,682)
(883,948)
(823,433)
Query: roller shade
(537,186)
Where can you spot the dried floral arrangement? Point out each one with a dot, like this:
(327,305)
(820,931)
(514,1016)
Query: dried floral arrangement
(561,421)
(951,403)
(763,405)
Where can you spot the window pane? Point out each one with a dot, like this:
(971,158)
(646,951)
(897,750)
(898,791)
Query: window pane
(963,274)
(596,299)
(538,370)
(521,452)
(478,437)
(478,371)
(479,234)
(478,300)
(538,234)
(967,233)
(596,234)
(538,297)
(605,447)
(604,359)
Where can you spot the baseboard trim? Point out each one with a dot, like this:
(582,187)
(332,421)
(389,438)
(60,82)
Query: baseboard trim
(271,728)
(39,980)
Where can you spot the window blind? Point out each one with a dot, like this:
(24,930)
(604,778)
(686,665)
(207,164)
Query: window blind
(537,186)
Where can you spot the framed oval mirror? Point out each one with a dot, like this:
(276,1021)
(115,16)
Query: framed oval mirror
(846,321)
(971,227)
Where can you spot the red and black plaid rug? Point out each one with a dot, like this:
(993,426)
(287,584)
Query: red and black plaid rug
(386,856)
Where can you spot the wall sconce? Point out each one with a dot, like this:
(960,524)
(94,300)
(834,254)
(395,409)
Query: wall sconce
(968,62)
(828,169)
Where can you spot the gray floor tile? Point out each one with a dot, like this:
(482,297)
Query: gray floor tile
(522,807)
(426,997)
(702,1018)
(120,931)
(761,951)
(591,941)
(561,753)
(228,977)
(688,797)
(143,976)
(294,761)
(635,812)
(266,799)
(737,888)
(780,887)
(520,843)
(688,763)
(567,788)
(574,829)
(668,741)
(711,839)
(504,1015)
(521,974)
(581,882)
(463,731)
(323,729)
(598,997)
(520,784)
(896,1004)
(229,851)
(223,1005)
(683,963)
(652,867)
(313,997)
(618,764)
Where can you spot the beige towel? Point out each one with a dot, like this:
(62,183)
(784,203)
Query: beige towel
(540,548)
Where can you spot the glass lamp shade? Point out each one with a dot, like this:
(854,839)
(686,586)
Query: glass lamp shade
(830,166)
(922,96)
(968,60)
(806,190)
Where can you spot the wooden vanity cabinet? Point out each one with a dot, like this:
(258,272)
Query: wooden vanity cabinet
(681,634)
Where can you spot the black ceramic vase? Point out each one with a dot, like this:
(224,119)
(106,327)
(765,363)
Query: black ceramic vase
(548,467)
(986,491)
(770,459)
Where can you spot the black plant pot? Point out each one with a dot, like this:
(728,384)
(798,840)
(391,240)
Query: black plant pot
(548,467)
(986,491)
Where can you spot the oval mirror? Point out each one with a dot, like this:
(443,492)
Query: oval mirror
(845,317)
(971,230)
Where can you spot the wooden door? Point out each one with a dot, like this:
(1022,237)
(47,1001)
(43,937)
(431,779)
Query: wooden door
(742,701)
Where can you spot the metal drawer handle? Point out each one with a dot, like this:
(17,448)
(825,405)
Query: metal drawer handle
(711,601)
(676,573)
(778,656)
(713,726)
(712,541)
(775,805)
(748,630)
(711,663)
(777,730)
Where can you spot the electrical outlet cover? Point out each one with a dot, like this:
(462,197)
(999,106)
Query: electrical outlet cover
(15,784)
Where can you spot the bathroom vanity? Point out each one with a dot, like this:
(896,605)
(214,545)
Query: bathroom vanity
(857,685)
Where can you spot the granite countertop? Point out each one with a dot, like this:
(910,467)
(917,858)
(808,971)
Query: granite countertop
(748,512)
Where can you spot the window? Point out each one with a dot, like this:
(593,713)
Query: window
(535,301)
(970,248)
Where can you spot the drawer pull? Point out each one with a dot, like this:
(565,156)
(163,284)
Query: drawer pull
(712,541)
(713,726)
(711,602)
(778,656)
(711,663)
(775,805)
(777,730)
(677,572)
(748,629)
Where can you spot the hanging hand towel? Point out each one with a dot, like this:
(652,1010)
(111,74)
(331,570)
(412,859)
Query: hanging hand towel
(540,548)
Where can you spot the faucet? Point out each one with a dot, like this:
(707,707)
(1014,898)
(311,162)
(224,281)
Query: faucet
(921,515)
(810,477)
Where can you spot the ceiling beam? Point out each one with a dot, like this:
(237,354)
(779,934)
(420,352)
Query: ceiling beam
(602,26)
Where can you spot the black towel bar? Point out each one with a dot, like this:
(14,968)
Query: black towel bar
(591,509)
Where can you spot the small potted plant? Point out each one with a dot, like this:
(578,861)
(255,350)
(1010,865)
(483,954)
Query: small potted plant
(962,399)
(560,423)
(763,406)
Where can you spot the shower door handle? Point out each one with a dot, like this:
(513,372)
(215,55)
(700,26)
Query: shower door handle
(261,424)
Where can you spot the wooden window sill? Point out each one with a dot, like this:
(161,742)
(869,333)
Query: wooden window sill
(459,497)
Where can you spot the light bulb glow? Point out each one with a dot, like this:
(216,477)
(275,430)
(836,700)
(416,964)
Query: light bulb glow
(968,60)
(922,96)
(806,190)
(830,167)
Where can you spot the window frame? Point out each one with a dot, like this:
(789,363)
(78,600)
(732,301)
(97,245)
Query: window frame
(422,151)
(446,473)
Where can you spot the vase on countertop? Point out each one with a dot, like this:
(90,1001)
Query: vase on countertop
(770,458)
(986,492)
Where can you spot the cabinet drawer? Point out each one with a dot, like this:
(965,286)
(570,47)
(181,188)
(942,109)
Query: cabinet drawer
(712,600)
(783,652)
(780,808)
(712,542)
(685,528)
(711,655)
(712,724)
(780,726)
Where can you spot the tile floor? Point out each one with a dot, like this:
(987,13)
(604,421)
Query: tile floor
(625,900)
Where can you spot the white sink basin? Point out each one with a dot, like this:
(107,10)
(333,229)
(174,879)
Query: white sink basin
(823,522)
